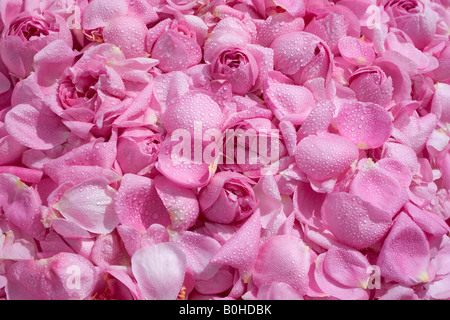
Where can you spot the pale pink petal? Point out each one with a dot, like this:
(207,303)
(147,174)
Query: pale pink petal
(180,202)
(35,129)
(318,120)
(90,205)
(405,254)
(159,271)
(288,101)
(241,250)
(367,125)
(377,186)
(428,221)
(128,33)
(61,277)
(99,12)
(353,221)
(283,259)
(332,288)
(138,204)
(325,155)
(199,250)
(356,51)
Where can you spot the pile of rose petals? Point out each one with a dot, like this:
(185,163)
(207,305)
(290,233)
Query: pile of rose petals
(353,203)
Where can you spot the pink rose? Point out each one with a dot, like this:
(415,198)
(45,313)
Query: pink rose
(313,61)
(333,23)
(228,197)
(98,89)
(234,58)
(137,149)
(26,35)
(371,84)
(175,43)
(414,17)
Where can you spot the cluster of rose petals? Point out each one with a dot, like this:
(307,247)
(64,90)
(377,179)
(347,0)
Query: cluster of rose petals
(94,205)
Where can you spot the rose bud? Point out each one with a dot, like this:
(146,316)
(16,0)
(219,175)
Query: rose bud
(228,197)
(26,35)
(371,84)
(137,149)
(414,17)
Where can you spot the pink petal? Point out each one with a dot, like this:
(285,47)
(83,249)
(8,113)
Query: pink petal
(354,274)
(353,221)
(35,129)
(190,174)
(176,51)
(90,205)
(193,106)
(50,62)
(405,254)
(287,101)
(99,12)
(181,203)
(367,125)
(159,271)
(325,155)
(307,204)
(96,154)
(318,120)
(241,250)
(109,250)
(199,250)
(414,131)
(21,205)
(428,221)
(440,105)
(25,174)
(356,51)
(283,259)
(332,287)
(138,204)
(377,186)
(61,277)
(128,33)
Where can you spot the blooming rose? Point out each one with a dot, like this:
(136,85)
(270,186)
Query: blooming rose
(228,197)
(176,44)
(27,34)
(371,84)
(414,17)
(137,149)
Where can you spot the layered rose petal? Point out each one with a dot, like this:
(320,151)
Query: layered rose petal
(366,125)
(159,271)
(353,221)
(356,51)
(128,33)
(61,277)
(90,205)
(192,107)
(405,255)
(377,186)
(228,197)
(347,283)
(325,155)
(37,129)
(286,100)
(283,259)
(241,250)
(181,203)
(371,84)
(138,204)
